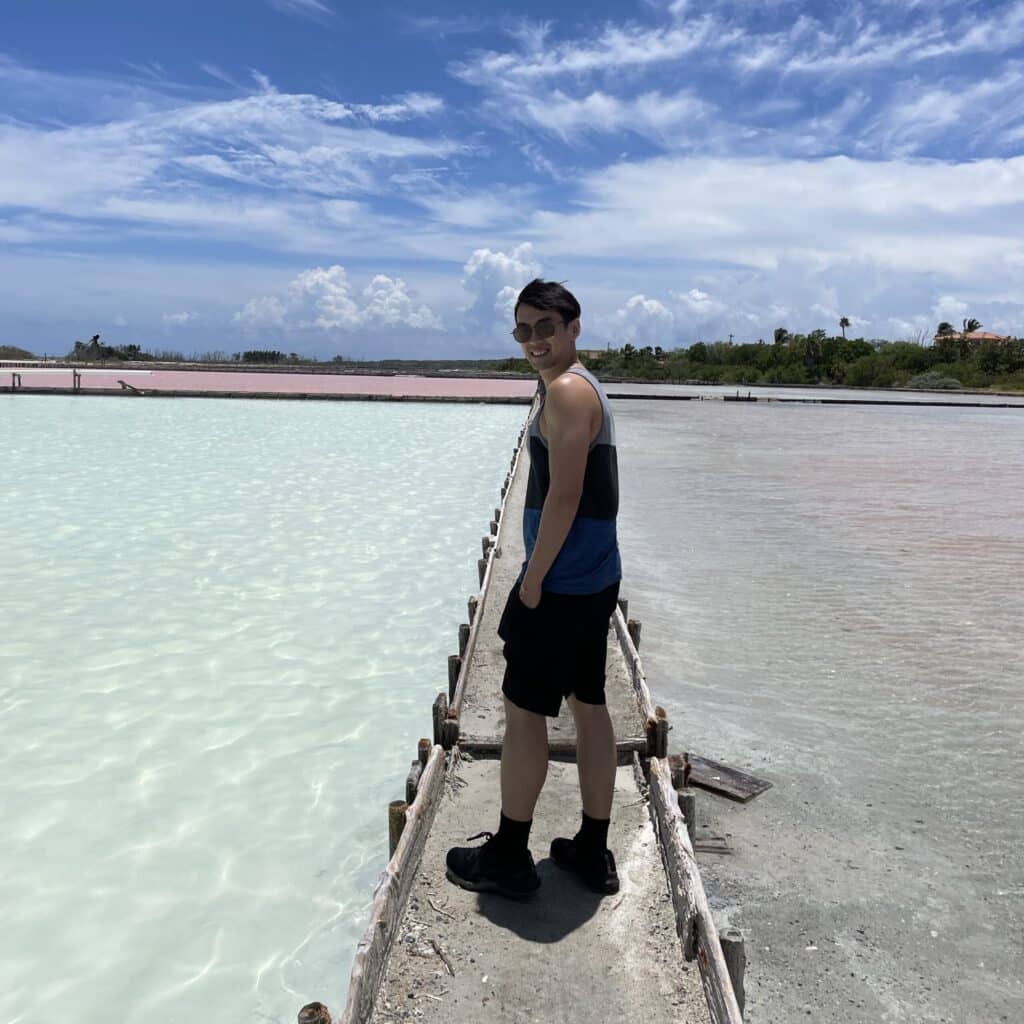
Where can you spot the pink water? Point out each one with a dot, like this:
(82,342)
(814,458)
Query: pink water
(280,383)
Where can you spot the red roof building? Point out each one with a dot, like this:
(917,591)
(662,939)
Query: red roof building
(974,336)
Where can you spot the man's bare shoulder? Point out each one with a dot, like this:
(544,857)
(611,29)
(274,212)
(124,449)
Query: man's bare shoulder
(569,394)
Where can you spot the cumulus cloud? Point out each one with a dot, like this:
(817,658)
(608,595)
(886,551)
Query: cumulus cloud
(493,280)
(178,319)
(643,321)
(323,299)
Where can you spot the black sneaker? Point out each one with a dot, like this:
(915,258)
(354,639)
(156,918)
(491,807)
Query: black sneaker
(482,869)
(598,873)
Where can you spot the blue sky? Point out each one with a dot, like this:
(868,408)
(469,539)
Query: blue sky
(380,180)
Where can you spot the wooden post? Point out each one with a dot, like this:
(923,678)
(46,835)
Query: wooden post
(454,668)
(440,712)
(688,805)
(314,1013)
(412,781)
(481,565)
(633,628)
(463,638)
(450,729)
(485,543)
(396,822)
(735,961)
(657,733)
(497,515)
(423,750)
(624,607)
(472,605)
(494,527)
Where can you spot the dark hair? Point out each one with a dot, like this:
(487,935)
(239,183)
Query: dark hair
(549,295)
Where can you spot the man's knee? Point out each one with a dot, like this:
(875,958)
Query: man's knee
(585,713)
(514,711)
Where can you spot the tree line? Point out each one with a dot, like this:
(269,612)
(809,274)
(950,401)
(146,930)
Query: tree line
(954,360)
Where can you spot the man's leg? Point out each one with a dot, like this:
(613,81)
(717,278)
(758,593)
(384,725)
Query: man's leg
(504,863)
(524,761)
(587,852)
(595,756)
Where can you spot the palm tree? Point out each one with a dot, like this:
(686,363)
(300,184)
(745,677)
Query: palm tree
(971,325)
(844,322)
(944,328)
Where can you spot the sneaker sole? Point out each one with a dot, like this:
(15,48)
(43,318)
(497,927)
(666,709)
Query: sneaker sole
(488,885)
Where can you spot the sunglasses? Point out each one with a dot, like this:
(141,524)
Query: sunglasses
(544,329)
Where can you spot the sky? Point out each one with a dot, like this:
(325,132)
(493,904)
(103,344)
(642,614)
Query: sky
(380,180)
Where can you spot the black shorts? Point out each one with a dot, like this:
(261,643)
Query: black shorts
(556,649)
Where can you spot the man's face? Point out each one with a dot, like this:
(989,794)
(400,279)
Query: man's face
(545,352)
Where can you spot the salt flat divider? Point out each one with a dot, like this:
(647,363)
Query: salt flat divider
(411,820)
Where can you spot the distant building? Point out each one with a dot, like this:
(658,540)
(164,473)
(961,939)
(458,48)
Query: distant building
(977,336)
(590,353)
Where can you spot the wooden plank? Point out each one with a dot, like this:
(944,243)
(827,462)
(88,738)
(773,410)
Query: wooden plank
(694,922)
(720,778)
(634,667)
(391,892)
(558,750)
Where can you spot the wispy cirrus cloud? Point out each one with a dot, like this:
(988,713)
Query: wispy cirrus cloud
(316,10)
(611,81)
(268,166)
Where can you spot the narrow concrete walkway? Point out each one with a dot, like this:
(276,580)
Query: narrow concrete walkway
(482,711)
(567,955)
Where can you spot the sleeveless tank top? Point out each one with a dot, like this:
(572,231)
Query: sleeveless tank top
(589,558)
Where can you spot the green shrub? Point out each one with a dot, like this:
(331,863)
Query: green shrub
(933,379)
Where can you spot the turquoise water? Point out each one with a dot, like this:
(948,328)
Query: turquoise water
(221,620)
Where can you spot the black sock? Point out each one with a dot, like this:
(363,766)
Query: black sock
(593,834)
(512,836)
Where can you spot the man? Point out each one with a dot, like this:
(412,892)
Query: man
(556,616)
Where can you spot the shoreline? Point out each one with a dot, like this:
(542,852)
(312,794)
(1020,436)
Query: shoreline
(455,373)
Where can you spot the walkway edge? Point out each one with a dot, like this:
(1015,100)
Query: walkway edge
(391,892)
(694,922)
(455,707)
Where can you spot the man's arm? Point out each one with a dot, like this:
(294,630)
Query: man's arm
(568,415)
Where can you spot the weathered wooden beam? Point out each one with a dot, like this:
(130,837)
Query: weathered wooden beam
(450,729)
(720,778)
(454,668)
(412,780)
(396,823)
(314,1013)
(439,712)
(634,666)
(391,893)
(558,749)
(633,628)
(688,805)
(735,960)
(657,733)
(694,923)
